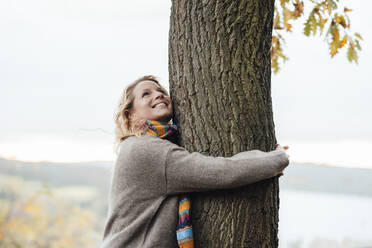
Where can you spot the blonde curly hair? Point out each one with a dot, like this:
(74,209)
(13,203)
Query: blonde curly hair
(124,126)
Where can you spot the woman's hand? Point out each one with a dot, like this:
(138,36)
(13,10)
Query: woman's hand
(283,148)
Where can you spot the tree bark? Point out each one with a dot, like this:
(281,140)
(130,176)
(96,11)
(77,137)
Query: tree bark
(219,77)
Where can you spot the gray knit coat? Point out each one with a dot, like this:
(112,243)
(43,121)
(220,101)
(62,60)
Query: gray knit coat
(150,172)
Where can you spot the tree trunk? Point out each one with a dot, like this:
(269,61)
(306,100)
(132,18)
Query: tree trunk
(219,77)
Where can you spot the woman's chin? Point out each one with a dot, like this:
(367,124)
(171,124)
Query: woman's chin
(163,118)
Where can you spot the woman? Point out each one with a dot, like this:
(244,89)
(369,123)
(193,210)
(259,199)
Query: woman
(152,174)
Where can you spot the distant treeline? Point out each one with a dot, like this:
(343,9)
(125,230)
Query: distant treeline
(95,174)
(330,179)
(297,176)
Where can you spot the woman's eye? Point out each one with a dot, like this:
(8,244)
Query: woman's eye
(144,93)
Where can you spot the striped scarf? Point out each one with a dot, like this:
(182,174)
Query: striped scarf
(184,228)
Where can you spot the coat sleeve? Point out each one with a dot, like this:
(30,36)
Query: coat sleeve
(191,172)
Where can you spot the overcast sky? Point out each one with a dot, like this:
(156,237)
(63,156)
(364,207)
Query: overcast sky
(64,64)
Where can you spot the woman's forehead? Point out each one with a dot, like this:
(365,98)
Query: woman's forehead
(146,85)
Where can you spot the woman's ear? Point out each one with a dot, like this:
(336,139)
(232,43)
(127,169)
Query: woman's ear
(129,114)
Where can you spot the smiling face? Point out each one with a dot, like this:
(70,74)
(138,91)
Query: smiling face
(151,103)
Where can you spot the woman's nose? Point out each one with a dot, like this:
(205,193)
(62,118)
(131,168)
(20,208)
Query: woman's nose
(159,95)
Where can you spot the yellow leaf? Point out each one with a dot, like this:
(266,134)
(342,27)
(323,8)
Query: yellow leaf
(343,42)
(333,46)
(288,26)
(329,8)
(358,45)
(277,21)
(299,9)
(351,43)
(352,54)
(278,27)
(333,50)
(274,39)
(347,10)
(341,20)
(358,36)
(287,15)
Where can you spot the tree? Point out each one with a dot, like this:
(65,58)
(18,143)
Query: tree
(220,55)
(219,76)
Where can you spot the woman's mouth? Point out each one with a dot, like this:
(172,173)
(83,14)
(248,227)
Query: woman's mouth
(160,105)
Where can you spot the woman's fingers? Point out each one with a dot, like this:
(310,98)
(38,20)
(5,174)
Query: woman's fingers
(284,147)
(278,146)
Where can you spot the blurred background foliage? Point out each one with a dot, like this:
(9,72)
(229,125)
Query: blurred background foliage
(33,214)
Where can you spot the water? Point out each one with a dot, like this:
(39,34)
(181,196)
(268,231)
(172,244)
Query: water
(311,219)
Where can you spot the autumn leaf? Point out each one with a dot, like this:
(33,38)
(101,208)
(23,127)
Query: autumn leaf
(310,25)
(343,42)
(299,9)
(358,45)
(341,20)
(352,54)
(359,36)
(277,21)
(332,4)
(347,10)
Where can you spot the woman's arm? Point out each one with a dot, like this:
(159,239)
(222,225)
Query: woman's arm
(189,172)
